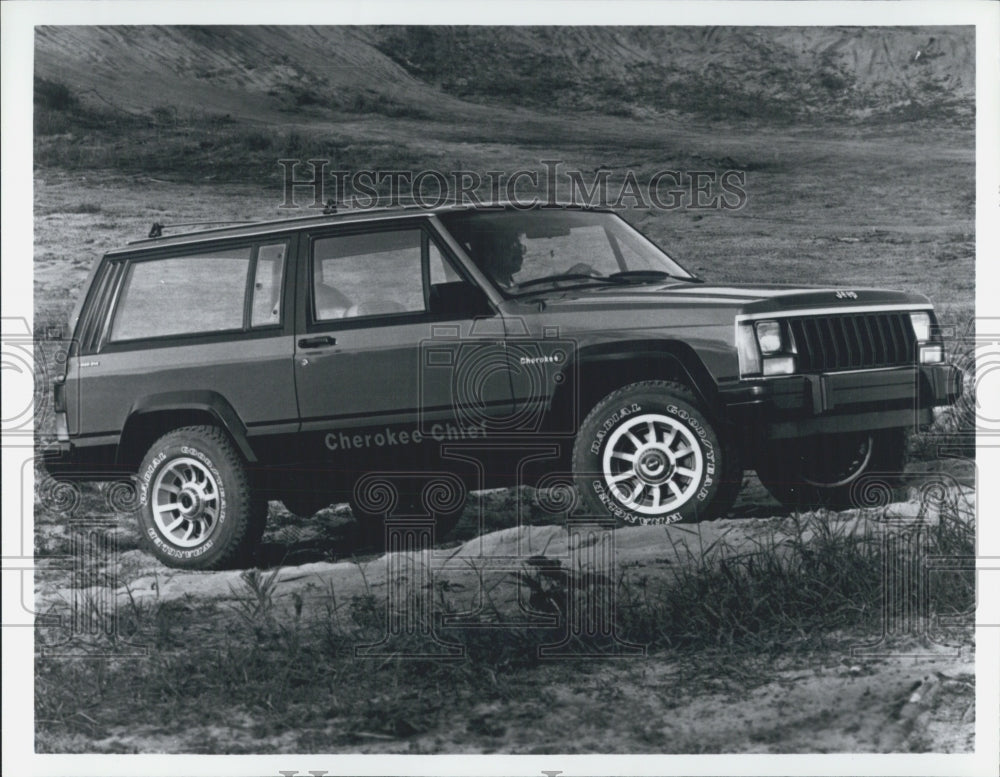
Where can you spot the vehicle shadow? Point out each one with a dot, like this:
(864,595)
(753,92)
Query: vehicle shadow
(339,543)
(331,536)
(758,510)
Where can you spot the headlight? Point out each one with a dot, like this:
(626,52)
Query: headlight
(921,326)
(769,337)
(764,349)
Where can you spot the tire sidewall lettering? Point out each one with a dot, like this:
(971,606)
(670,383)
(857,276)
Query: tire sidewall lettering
(147,476)
(706,441)
(611,422)
(175,552)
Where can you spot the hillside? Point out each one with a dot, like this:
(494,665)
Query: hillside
(769,74)
(248,72)
(714,72)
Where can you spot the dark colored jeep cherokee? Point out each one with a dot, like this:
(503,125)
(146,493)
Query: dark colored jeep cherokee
(314,360)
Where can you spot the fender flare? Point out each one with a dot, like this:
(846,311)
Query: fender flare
(210,402)
(699,378)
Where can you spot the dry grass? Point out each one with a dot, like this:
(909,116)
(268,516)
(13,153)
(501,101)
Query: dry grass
(290,666)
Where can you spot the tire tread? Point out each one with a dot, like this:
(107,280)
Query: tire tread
(251,518)
(731,470)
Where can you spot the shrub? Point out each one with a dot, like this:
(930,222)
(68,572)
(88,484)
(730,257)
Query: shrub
(54,95)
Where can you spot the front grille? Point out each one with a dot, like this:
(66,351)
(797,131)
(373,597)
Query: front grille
(853,341)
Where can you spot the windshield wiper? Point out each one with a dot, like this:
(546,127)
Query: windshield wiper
(648,275)
(566,276)
(640,275)
(624,276)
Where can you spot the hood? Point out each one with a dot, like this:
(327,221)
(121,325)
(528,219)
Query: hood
(747,299)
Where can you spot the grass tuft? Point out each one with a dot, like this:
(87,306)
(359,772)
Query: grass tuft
(799,583)
(326,664)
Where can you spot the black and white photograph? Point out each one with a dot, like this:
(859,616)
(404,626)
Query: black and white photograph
(606,387)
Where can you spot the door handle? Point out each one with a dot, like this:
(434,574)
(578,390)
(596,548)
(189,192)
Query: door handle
(317,342)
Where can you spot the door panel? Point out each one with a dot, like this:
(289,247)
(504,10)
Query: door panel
(397,355)
(539,355)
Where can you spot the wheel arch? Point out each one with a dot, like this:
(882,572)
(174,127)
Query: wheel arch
(156,414)
(595,371)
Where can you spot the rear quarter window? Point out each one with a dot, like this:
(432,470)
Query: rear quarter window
(183,295)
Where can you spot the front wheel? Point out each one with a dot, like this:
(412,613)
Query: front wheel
(197,509)
(825,471)
(647,454)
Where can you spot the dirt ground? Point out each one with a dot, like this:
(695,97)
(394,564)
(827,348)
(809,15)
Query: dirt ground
(896,692)
(831,704)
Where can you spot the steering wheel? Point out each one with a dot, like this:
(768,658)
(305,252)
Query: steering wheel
(582,268)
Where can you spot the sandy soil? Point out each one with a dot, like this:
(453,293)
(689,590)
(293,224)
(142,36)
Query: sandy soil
(899,694)
(830,704)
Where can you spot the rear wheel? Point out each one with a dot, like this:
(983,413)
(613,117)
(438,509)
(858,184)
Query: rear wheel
(647,454)
(197,509)
(823,471)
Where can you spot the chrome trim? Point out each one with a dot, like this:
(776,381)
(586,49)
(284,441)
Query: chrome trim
(744,317)
(897,368)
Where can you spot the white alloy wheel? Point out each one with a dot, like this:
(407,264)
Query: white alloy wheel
(653,464)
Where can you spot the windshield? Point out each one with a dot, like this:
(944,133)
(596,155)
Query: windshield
(524,251)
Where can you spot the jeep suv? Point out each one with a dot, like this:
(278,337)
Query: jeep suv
(349,357)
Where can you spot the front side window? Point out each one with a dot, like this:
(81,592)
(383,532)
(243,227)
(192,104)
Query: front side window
(183,295)
(368,275)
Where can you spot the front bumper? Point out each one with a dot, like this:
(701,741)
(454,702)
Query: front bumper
(805,405)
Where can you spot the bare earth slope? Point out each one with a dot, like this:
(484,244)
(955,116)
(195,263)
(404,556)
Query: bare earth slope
(252,72)
(259,72)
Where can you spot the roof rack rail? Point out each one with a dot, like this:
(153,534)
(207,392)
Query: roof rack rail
(339,209)
(157,229)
